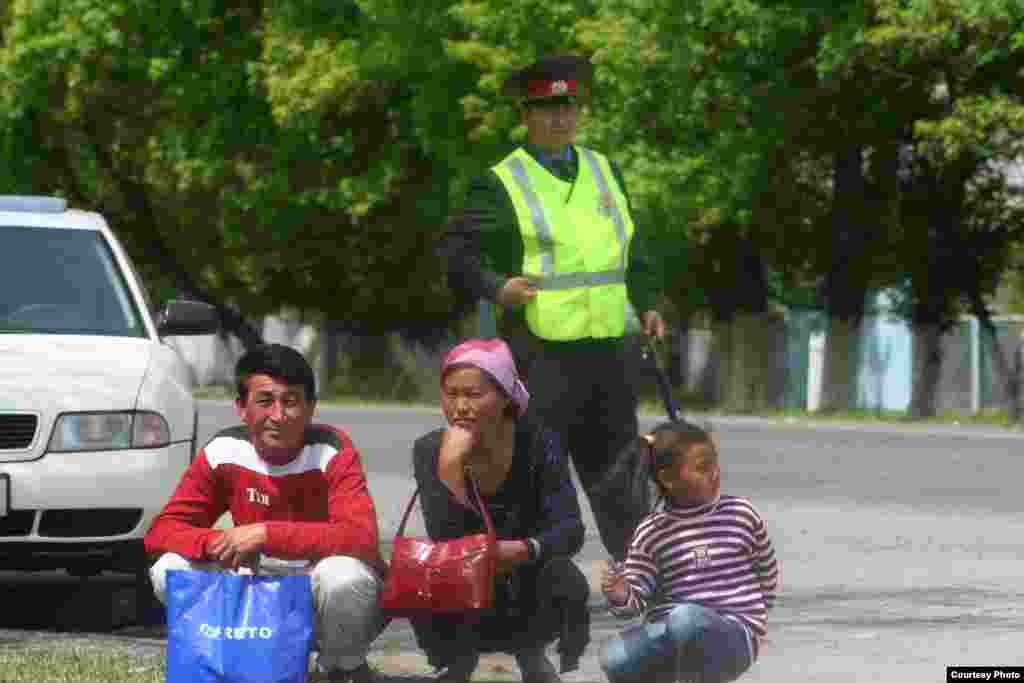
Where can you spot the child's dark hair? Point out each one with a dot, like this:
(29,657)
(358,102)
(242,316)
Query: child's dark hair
(634,475)
(281,362)
(671,438)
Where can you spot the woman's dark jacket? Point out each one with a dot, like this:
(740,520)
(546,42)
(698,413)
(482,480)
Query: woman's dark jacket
(537,500)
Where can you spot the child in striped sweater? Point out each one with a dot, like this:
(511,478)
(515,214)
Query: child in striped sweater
(701,571)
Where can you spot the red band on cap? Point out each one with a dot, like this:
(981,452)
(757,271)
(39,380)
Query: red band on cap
(557,88)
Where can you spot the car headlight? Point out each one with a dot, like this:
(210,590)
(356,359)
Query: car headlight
(109,431)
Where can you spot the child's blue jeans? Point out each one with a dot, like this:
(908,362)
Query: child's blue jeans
(693,643)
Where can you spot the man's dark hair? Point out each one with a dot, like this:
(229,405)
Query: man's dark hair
(281,362)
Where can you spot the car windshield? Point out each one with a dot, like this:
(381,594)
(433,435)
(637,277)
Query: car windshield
(59,281)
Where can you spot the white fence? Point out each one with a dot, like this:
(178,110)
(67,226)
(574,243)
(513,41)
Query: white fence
(970,380)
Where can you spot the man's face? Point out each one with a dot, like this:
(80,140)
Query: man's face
(551,125)
(276,413)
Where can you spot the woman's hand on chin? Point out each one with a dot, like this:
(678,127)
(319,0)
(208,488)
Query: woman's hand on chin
(457,442)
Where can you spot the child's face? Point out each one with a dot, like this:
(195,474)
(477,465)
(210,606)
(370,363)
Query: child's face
(694,477)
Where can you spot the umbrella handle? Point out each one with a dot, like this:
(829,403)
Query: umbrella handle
(664,388)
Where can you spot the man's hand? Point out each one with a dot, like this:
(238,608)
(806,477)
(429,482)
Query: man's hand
(653,325)
(238,546)
(516,291)
(614,587)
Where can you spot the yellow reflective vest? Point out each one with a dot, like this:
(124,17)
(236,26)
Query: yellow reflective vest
(575,246)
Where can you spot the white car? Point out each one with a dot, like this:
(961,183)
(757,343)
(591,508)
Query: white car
(97,418)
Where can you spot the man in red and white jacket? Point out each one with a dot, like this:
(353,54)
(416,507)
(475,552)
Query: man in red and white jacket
(298,500)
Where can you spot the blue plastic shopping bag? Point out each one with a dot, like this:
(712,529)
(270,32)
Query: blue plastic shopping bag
(226,628)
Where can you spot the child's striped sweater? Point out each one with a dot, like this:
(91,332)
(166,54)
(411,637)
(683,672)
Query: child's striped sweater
(718,555)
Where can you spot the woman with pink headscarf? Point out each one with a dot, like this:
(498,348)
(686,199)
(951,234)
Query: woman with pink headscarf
(523,476)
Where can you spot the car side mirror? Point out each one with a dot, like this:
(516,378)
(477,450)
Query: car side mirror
(186,317)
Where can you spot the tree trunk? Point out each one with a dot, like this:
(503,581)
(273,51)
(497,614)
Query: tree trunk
(232,321)
(744,345)
(328,349)
(842,361)
(136,198)
(1015,384)
(847,280)
(927,371)
(1004,369)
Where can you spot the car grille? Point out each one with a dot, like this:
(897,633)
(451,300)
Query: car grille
(76,523)
(17,431)
(17,523)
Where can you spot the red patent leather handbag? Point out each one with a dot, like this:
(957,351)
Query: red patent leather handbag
(436,577)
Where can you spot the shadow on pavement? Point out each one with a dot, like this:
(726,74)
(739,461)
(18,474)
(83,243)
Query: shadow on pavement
(53,606)
(54,601)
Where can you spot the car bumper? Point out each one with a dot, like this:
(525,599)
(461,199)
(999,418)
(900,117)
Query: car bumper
(89,505)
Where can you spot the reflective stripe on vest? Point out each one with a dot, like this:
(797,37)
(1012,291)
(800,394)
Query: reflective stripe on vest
(540,221)
(570,280)
(576,303)
(602,185)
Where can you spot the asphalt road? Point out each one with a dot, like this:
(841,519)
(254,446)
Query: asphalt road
(932,469)
(902,548)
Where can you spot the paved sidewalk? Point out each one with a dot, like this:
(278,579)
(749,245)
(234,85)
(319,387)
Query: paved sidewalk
(869,593)
(395,657)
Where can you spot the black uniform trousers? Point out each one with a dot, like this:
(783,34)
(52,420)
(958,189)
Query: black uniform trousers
(584,391)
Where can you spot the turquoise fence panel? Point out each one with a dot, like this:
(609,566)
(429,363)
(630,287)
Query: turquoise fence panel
(885,374)
(799,326)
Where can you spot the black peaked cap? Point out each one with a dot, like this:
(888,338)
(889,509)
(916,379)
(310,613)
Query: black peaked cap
(565,67)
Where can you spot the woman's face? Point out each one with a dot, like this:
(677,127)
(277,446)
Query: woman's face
(471,400)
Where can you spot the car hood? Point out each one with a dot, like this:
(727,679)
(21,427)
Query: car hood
(49,373)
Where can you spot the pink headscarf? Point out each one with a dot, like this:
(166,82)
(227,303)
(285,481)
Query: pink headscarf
(495,358)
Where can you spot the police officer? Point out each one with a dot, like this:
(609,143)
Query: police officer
(548,235)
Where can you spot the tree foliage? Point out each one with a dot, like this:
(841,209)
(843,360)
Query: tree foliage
(307,154)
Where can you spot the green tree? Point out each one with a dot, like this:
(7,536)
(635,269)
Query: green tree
(707,115)
(778,151)
(952,93)
(198,131)
(143,111)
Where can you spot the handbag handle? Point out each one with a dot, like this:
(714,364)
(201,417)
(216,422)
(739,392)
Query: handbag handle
(476,494)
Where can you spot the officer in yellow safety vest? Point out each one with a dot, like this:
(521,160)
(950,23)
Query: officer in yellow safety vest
(547,234)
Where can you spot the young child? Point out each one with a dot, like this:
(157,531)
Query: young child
(702,570)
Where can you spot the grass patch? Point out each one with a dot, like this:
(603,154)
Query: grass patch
(842,416)
(77,664)
(990,417)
